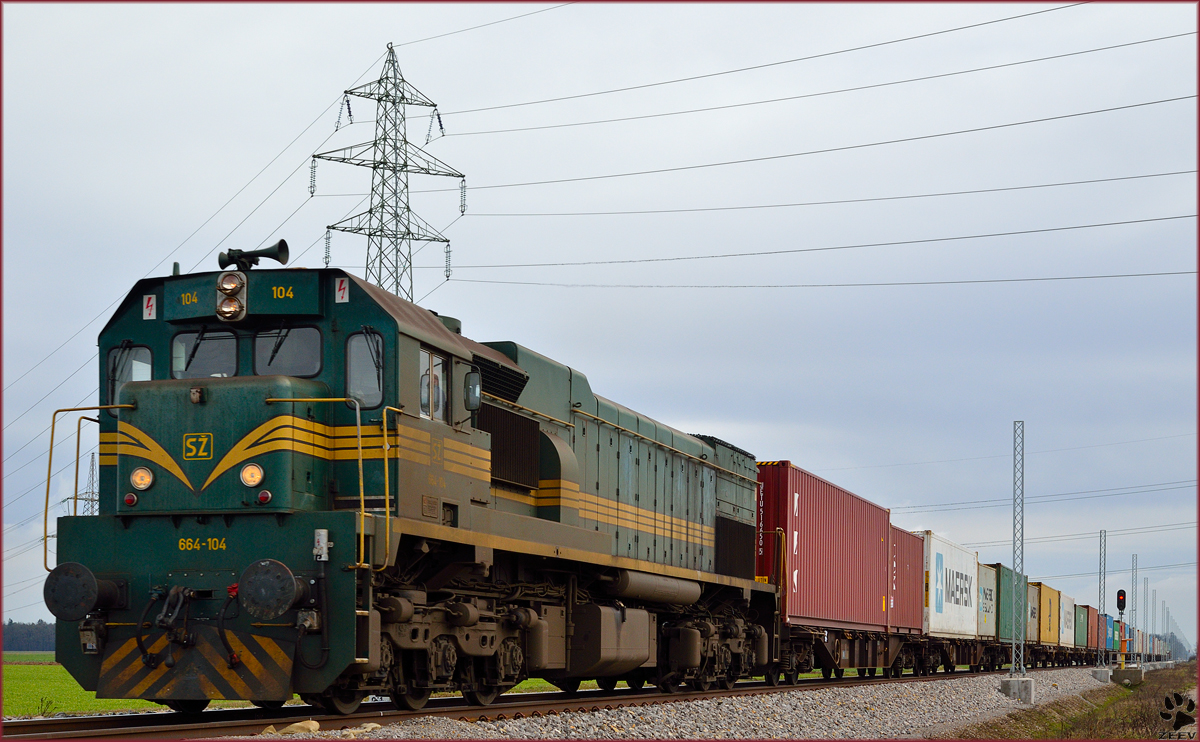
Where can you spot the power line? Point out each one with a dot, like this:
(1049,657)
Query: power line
(1005,456)
(1113,571)
(791,251)
(829,202)
(813,285)
(10,501)
(47,428)
(827,150)
(482,25)
(759,66)
(1040,502)
(29,409)
(1090,534)
(1055,494)
(811,95)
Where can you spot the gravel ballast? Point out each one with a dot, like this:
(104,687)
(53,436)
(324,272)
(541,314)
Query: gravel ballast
(873,711)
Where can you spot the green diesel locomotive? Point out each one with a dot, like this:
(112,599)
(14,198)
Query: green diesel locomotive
(309,485)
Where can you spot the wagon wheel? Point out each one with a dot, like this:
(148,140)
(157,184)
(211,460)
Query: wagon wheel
(485,696)
(635,683)
(725,682)
(188,706)
(870,672)
(839,672)
(413,699)
(608,685)
(772,675)
(791,677)
(271,705)
(701,685)
(570,686)
(343,701)
(314,700)
(827,672)
(670,686)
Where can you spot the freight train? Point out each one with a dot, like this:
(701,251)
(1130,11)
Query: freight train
(311,486)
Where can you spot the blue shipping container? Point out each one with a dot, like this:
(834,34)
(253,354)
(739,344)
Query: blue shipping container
(1109,621)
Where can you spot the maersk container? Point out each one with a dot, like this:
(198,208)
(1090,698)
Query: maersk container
(906,589)
(1047,625)
(1066,621)
(1004,601)
(1081,625)
(1093,630)
(1033,610)
(835,560)
(986,600)
(950,575)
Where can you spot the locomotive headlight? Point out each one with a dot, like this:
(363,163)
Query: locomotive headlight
(229,283)
(252,474)
(229,307)
(141,478)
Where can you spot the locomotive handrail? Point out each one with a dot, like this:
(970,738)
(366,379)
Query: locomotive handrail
(362,498)
(387,492)
(663,445)
(78,432)
(526,409)
(50,472)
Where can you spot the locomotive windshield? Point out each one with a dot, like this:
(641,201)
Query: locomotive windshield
(289,351)
(196,355)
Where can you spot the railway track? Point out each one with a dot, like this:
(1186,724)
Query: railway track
(242,722)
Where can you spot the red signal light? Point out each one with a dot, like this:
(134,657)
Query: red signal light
(131,499)
(264,497)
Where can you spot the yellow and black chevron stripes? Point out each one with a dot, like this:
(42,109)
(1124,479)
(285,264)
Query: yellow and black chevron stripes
(298,435)
(129,441)
(201,670)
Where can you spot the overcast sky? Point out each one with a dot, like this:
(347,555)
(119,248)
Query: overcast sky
(926,145)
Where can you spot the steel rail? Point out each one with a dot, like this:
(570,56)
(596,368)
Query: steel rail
(243,722)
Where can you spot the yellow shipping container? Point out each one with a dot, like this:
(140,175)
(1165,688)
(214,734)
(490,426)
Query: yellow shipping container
(1048,607)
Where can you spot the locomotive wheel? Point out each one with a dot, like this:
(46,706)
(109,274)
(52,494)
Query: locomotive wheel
(272,705)
(485,696)
(413,699)
(570,686)
(314,700)
(608,685)
(187,707)
(340,701)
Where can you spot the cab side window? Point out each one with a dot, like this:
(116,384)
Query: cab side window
(364,368)
(434,383)
(127,363)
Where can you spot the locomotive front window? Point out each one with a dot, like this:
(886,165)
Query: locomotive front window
(198,355)
(290,351)
(364,369)
(433,386)
(127,363)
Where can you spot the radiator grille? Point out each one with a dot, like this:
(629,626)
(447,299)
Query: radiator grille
(514,445)
(500,381)
(735,548)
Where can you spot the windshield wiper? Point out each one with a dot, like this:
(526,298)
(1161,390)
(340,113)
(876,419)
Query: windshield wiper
(119,362)
(376,353)
(195,347)
(283,333)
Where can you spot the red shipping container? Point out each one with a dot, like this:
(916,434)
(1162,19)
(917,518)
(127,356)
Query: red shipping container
(835,561)
(1093,619)
(906,593)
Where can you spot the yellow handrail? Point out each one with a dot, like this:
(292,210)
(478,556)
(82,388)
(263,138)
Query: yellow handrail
(526,409)
(78,431)
(362,498)
(387,492)
(50,472)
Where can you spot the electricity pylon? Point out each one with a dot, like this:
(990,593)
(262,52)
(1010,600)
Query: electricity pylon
(389,224)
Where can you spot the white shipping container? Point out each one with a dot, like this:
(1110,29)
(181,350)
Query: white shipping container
(950,576)
(1066,621)
(1031,621)
(986,622)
